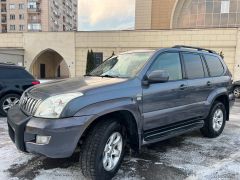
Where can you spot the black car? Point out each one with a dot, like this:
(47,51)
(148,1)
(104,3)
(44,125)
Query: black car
(236,89)
(14,80)
(133,99)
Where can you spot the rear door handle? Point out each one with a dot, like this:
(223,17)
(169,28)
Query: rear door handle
(183,86)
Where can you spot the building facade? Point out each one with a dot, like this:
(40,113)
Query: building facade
(64,54)
(183,14)
(38,15)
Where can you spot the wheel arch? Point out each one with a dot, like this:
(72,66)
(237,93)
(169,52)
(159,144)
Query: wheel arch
(124,117)
(10,92)
(223,98)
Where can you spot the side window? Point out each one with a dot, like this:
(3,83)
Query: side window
(169,62)
(11,73)
(214,64)
(22,74)
(194,65)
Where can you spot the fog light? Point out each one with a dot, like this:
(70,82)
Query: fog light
(42,139)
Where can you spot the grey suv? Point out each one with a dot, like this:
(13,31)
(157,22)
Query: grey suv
(133,99)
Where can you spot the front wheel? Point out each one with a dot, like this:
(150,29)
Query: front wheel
(236,92)
(215,122)
(102,152)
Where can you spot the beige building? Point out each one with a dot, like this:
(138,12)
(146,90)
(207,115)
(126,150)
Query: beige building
(43,53)
(38,15)
(182,14)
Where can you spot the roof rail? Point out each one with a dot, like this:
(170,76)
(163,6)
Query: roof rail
(197,48)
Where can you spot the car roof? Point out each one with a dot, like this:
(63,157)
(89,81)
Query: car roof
(10,65)
(178,48)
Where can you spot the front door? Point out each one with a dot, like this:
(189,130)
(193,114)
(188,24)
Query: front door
(164,103)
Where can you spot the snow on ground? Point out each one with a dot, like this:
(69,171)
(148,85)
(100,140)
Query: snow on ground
(185,157)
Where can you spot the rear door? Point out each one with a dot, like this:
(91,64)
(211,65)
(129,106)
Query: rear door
(164,103)
(217,71)
(200,84)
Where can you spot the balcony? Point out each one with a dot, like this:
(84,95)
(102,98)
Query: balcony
(37,1)
(3,10)
(3,1)
(34,30)
(4,31)
(4,20)
(34,10)
(34,20)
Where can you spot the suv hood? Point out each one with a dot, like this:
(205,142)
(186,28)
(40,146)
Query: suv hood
(84,85)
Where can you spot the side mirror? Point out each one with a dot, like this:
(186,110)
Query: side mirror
(158,76)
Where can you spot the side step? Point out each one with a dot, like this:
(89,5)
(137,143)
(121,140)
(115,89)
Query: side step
(172,130)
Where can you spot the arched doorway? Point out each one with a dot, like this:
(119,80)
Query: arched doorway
(49,65)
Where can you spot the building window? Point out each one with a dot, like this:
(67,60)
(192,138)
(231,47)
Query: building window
(21,16)
(21,6)
(225,6)
(12,16)
(32,5)
(11,6)
(21,27)
(12,27)
(207,13)
(34,27)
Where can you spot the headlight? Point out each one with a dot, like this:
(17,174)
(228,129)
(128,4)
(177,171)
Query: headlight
(52,107)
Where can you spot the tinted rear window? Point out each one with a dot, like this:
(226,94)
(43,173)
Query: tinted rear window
(194,66)
(214,64)
(14,73)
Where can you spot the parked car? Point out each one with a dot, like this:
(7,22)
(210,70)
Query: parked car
(135,98)
(13,81)
(236,89)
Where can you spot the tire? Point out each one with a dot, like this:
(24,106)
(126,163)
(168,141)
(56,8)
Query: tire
(236,92)
(92,151)
(14,98)
(215,122)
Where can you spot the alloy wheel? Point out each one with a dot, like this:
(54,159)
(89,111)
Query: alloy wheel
(112,151)
(218,119)
(9,103)
(237,92)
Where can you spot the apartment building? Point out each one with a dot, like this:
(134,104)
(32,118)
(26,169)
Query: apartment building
(38,15)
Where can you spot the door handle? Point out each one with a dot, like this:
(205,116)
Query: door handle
(183,86)
(209,83)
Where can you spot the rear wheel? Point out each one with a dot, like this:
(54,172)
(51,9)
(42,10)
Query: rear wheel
(7,102)
(215,122)
(103,150)
(237,92)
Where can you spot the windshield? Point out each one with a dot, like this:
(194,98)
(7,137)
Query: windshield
(122,66)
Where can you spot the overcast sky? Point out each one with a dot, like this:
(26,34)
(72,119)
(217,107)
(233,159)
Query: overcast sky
(106,14)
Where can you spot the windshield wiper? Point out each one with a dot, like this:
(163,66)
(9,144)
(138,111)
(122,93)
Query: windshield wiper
(109,76)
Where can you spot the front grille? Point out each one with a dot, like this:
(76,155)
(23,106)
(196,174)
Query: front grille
(29,104)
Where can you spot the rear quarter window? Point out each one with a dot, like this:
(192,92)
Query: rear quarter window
(214,64)
(14,73)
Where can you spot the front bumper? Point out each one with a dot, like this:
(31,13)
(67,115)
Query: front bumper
(65,133)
